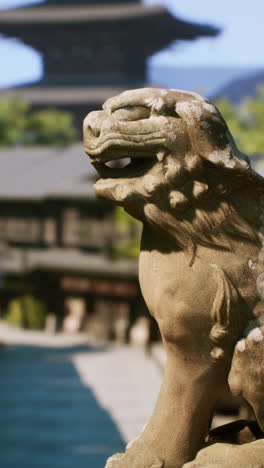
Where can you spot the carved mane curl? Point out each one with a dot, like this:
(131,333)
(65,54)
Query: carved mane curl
(193,216)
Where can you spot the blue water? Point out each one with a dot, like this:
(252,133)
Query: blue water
(48,418)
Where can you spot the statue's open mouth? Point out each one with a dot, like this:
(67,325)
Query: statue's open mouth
(111,166)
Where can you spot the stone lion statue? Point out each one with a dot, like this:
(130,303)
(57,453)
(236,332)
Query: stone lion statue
(201,260)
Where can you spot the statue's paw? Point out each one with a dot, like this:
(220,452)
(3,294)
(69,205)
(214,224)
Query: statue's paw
(246,377)
(249,455)
(133,460)
(113,462)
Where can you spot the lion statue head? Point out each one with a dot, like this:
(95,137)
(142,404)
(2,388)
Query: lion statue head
(185,171)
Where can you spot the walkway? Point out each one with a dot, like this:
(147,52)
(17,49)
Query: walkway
(70,406)
(126,384)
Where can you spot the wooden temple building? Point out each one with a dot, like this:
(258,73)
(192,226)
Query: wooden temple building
(54,233)
(93,49)
(56,239)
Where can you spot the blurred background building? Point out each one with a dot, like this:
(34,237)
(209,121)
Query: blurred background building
(59,245)
(92,50)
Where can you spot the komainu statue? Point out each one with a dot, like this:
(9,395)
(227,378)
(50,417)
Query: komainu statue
(201,264)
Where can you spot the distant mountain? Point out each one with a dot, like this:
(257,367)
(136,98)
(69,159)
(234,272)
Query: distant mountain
(205,80)
(242,87)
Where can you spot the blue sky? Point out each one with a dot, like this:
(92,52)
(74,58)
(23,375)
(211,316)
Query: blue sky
(240,44)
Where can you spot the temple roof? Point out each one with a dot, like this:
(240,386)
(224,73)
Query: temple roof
(60,3)
(80,13)
(66,95)
(39,173)
(68,260)
(45,14)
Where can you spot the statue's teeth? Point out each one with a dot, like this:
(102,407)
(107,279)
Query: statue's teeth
(160,155)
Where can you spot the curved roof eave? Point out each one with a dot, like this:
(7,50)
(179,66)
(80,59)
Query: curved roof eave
(39,16)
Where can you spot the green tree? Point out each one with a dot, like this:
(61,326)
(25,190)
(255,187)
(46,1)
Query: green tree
(26,312)
(49,127)
(129,232)
(13,120)
(19,125)
(14,313)
(246,122)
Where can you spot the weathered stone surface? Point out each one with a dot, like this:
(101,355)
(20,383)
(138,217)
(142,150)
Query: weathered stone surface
(229,455)
(246,377)
(201,261)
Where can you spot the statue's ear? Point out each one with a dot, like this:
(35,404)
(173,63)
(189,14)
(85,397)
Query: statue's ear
(207,129)
(209,134)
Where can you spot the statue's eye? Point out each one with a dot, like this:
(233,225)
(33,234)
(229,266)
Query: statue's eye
(130,113)
(171,112)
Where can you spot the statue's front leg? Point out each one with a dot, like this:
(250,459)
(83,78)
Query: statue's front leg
(182,415)
(196,369)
